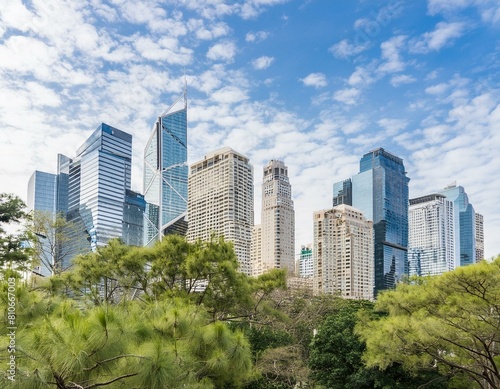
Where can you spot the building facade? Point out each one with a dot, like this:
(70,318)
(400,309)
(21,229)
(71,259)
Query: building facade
(342,192)
(479,237)
(431,246)
(166,174)
(256,251)
(42,201)
(220,202)
(305,262)
(380,191)
(465,223)
(99,177)
(277,219)
(343,253)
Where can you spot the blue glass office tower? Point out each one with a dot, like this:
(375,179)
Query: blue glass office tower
(166,174)
(42,195)
(342,192)
(465,223)
(98,178)
(380,191)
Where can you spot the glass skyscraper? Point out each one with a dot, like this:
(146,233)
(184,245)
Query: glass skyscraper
(380,191)
(98,178)
(42,189)
(342,192)
(465,223)
(166,174)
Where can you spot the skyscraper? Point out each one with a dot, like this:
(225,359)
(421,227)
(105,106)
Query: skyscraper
(465,223)
(342,192)
(42,196)
(479,237)
(343,253)
(277,219)
(220,201)
(256,251)
(99,177)
(166,174)
(431,243)
(380,191)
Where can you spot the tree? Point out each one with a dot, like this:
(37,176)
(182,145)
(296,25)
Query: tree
(336,356)
(13,247)
(55,241)
(164,344)
(450,323)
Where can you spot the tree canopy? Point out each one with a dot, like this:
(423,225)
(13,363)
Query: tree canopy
(13,248)
(450,323)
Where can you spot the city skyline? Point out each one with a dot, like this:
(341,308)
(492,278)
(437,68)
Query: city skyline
(314,84)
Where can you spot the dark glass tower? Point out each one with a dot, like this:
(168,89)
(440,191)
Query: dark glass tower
(166,174)
(380,190)
(342,192)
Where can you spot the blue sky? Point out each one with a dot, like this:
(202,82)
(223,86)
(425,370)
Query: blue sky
(316,83)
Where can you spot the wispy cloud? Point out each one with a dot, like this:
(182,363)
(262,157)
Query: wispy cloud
(442,36)
(224,51)
(262,62)
(345,49)
(316,80)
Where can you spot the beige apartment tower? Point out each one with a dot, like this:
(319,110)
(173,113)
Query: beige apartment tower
(277,236)
(220,201)
(343,253)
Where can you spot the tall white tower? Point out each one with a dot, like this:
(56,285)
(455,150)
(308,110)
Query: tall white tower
(220,201)
(432,235)
(277,220)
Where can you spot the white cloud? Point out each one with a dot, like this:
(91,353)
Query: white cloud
(344,49)
(362,76)
(258,36)
(229,95)
(252,8)
(391,55)
(437,89)
(316,80)
(401,79)
(262,62)
(347,96)
(392,126)
(164,50)
(224,51)
(442,36)
(488,9)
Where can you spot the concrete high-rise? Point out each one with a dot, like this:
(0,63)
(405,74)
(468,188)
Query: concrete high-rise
(380,191)
(431,242)
(305,262)
(343,253)
(277,219)
(256,251)
(465,223)
(166,174)
(479,237)
(220,201)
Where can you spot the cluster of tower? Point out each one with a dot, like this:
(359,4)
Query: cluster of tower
(372,237)
(212,197)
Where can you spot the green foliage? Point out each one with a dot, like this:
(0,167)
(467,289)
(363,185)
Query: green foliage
(13,248)
(165,344)
(450,322)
